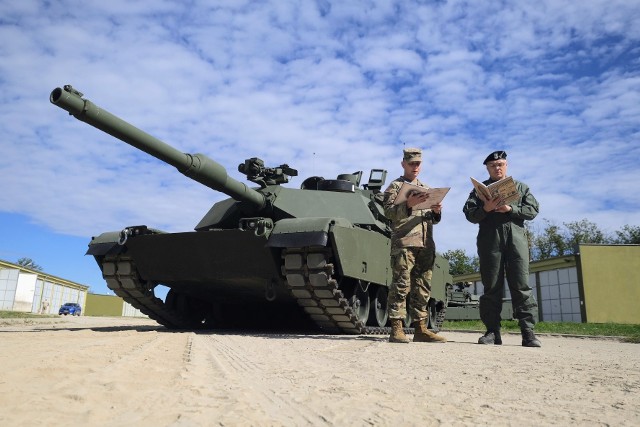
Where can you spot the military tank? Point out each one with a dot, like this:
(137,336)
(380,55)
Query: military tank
(317,255)
(462,304)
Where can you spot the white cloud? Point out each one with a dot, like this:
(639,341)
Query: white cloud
(328,87)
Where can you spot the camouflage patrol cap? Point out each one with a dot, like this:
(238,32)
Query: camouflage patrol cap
(412,155)
(496,155)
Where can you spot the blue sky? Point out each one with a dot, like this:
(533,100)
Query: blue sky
(327,87)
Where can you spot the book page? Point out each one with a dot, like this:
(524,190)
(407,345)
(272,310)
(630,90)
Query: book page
(506,189)
(434,195)
(481,190)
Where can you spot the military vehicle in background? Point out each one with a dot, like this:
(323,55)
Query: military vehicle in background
(464,305)
(266,255)
(461,303)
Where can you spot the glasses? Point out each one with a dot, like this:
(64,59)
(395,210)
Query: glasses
(497,165)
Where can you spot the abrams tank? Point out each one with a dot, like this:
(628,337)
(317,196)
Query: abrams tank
(314,256)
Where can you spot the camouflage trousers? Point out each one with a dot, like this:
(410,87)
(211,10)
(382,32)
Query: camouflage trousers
(412,271)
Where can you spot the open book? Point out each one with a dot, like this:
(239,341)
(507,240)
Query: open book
(434,195)
(505,188)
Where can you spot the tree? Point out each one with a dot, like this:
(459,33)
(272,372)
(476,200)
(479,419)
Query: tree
(552,241)
(29,263)
(583,231)
(556,241)
(528,231)
(629,235)
(460,262)
(548,244)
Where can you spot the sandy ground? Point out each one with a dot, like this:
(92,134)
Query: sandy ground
(122,372)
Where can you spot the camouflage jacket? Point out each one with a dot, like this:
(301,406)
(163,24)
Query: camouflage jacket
(409,228)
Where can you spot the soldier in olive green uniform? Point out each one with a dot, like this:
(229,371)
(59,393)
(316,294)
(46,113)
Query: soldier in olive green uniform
(412,253)
(503,247)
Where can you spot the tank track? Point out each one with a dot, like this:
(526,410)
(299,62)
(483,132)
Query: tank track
(440,318)
(309,276)
(122,278)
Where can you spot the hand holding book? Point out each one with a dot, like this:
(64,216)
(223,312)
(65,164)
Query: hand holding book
(424,198)
(505,190)
(419,198)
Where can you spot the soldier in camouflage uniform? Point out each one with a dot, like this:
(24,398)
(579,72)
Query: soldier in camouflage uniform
(503,248)
(412,253)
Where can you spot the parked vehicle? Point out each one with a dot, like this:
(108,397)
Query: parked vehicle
(70,308)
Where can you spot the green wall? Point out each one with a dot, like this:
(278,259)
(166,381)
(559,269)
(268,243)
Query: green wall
(611,283)
(103,305)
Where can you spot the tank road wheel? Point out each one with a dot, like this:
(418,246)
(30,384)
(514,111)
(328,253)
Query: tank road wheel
(431,320)
(360,301)
(407,320)
(441,312)
(170,300)
(182,305)
(188,308)
(437,311)
(407,317)
(357,295)
(378,316)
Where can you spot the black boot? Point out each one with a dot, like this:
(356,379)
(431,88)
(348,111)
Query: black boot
(491,337)
(529,338)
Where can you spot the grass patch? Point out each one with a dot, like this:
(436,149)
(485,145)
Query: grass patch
(629,333)
(4,314)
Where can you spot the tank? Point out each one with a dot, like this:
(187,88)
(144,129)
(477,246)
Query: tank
(460,296)
(462,304)
(314,256)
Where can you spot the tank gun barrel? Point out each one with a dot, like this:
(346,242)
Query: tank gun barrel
(198,167)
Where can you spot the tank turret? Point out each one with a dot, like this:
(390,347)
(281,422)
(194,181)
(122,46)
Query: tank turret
(314,256)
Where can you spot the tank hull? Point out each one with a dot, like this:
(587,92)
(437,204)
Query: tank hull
(222,265)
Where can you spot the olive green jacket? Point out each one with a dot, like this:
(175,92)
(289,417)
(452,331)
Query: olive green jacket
(409,227)
(526,209)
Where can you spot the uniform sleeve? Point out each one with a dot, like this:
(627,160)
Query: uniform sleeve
(431,217)
(473,209)
(398,212)
(528,206)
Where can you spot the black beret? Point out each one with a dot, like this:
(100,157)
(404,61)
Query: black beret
(496,155)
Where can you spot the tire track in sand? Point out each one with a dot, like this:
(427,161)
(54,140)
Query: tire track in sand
(224,373)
